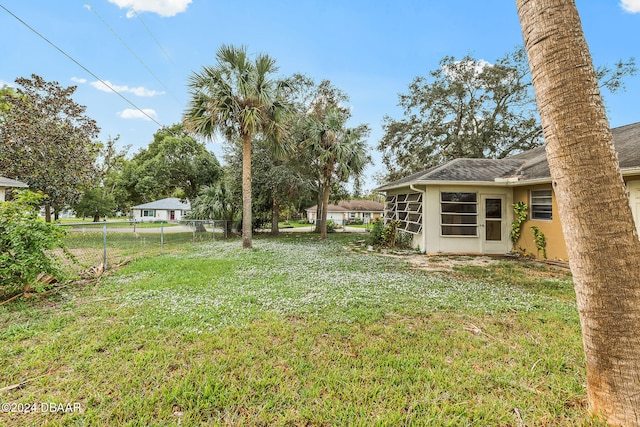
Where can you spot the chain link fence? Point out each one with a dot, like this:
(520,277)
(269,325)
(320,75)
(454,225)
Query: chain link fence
(98,246)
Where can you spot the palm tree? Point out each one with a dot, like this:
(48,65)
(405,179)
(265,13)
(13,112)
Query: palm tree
(237,98)
(216,202)
(340,152)
(598,227)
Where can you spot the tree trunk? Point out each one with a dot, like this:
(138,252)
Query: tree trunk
(47,212)
(275,217)
(319,210)
(247,224)
(597,223)
(326,188)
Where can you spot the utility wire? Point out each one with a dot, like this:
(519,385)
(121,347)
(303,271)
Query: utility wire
(81,66)
(152,35)
(106,24)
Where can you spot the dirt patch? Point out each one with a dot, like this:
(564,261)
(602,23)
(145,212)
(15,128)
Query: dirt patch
(446,263)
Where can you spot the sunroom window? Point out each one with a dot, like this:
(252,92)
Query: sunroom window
(459,214)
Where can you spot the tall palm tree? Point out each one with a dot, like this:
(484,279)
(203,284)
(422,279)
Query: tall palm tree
(238,98)
(340,152)
(598,227)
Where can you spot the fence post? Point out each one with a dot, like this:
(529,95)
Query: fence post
(104,246)
(162,235)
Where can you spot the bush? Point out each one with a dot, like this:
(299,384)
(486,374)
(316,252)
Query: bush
(385,235)
(331,226)
(24,242)
(356,221)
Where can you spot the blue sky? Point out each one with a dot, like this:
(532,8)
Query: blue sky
(370,49)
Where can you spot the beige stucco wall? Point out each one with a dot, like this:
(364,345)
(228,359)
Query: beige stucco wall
(556,248)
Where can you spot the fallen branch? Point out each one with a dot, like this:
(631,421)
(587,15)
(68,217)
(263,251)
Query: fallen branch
(25,382)
(12,298)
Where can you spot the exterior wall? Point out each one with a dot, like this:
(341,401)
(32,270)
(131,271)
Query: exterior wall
(2,193)
(160,215)
(552,229)
(339,217)
(633,186)
(431,240)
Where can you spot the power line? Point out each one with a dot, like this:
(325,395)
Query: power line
(106,24)
(152,35)
(81,66)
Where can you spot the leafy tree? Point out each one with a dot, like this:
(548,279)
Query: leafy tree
(46,141)
(95,203)
(339,152)
(6,92)
(597,223)
(239,98)
(100,200)
(25,241)
(278,180)
(217,202)
(470,108)
(174,163)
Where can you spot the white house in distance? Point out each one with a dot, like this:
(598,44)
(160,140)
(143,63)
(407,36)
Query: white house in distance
(347,210)
(169,209)
(6,183)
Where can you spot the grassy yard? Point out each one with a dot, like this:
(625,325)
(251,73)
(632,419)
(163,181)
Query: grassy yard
(297,332)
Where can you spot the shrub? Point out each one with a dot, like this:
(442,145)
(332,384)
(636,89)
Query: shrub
(331,226)
(24,242)
(384,235)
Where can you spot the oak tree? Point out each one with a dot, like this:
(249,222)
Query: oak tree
(46,140)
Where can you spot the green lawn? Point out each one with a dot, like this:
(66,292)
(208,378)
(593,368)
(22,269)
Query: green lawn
(298,331)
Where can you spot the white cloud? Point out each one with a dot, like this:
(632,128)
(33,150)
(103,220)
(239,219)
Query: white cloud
(164,8)
(144,114)
(78,80)
(106,86)
(631,6)
(3,84)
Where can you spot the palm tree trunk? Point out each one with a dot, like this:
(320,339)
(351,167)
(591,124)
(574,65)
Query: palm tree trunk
(318,210)
(326,188)
(275,217)
(597,223)
(246,191)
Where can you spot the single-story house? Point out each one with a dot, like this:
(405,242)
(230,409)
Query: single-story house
(169,209)
(6,183)
(347,210)
(466,205)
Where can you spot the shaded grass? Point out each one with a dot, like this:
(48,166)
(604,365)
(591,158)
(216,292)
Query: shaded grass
(289,333)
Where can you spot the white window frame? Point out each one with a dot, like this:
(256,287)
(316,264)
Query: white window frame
(447,212)
(541,199)
(148,213)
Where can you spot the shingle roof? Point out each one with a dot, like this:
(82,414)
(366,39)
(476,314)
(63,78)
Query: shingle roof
(352,205)
(529,165)
(171,203)
(8,182)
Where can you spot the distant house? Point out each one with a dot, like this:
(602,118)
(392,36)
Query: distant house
(348,210)
(6,183)
(169,209)
(466,205)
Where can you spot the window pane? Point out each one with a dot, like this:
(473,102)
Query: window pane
(458,219)
(541,204)
(493,208)
(458,197)
(453,230)
(493,230)
(459,208)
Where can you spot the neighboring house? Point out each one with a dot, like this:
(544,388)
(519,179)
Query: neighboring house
(466,205)
(348,210)
(6,183)
(170,209)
